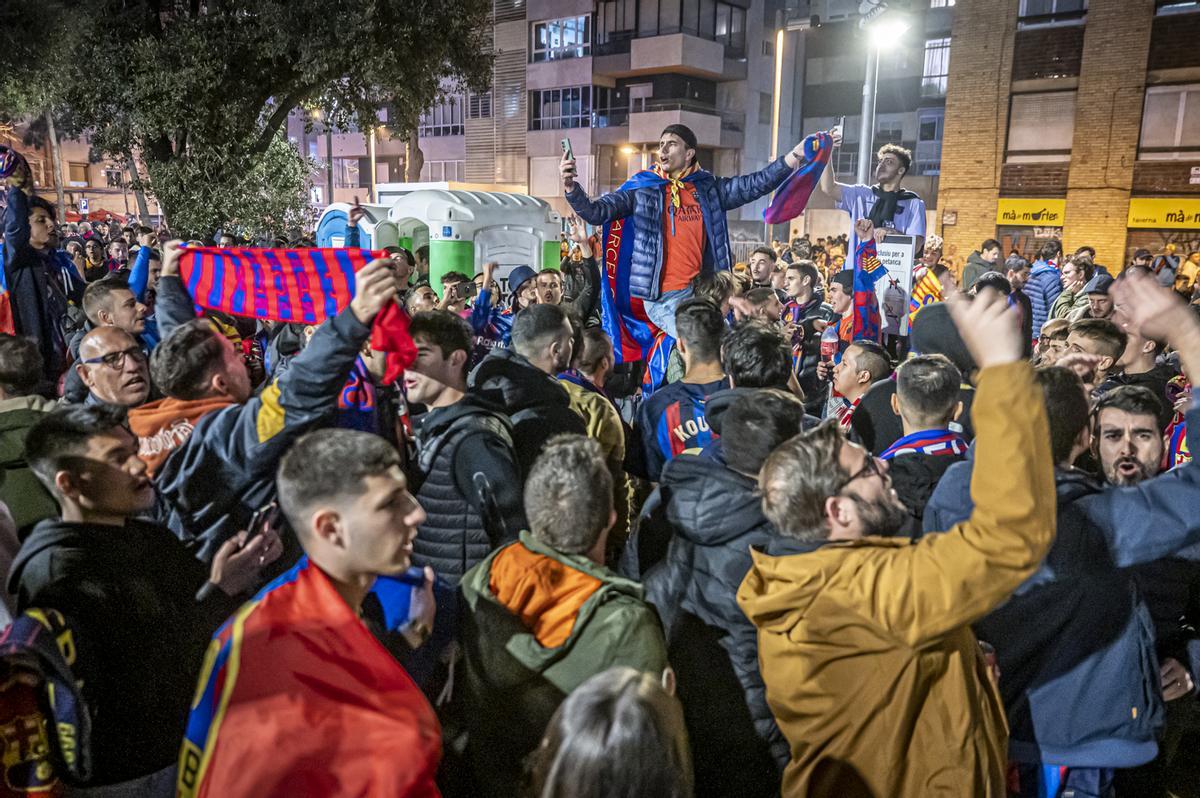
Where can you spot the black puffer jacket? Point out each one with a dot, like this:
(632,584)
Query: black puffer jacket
(537,405)
(713,516)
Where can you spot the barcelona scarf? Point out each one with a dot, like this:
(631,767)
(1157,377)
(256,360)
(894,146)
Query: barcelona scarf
(635,338)
(931,441)
(302,286)
(791,198)
(868,270)
(296,697)
(927,291)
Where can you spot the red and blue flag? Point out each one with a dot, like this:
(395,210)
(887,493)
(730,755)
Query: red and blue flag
(868,270)
(791,198)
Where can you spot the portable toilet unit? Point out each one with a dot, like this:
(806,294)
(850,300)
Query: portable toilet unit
(465,229)
(375,231)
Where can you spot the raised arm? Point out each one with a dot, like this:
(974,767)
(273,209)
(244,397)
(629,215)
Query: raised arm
(601,210)
(829,186)
(735,192)
(944,582)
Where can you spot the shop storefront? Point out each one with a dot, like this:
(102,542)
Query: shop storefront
(1155,223)
(1023,225)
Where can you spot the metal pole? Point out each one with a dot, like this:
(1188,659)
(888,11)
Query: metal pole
(866,131)
(371,162)
(328,164)
(775,115)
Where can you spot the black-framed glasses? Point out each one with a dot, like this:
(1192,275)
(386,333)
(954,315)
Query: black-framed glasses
(870,468)
(116,360)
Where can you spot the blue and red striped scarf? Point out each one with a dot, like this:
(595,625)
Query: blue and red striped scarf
(303,286)
(868,270)
(791,198)
(930,441)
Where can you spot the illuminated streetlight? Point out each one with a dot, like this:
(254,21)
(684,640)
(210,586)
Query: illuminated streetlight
(883,28)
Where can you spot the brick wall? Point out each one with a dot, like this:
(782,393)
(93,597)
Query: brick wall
(1108,118)
(1048,53)
(981,66)
(1034,179)
(1171,178)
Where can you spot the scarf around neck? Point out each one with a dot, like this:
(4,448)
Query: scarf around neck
(887,203)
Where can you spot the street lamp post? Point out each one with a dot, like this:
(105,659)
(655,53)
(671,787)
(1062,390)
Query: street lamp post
(866,130)
(883,27)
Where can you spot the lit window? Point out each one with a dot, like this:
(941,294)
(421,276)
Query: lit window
(77,174)
(443,119)
(1171,123)
(561,38)
(1041,127)
(937,67)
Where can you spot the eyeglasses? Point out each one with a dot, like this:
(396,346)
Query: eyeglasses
(116,360)
(870,468)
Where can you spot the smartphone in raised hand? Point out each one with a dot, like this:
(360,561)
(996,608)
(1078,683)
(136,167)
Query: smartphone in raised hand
(567,151)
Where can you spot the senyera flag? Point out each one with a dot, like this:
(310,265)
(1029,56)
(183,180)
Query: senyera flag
(868,270)
(302,286)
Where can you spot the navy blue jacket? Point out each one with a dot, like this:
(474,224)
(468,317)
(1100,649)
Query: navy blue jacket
(1042,288)
(215,481)
(716,195)
(38,303)
(1075,644)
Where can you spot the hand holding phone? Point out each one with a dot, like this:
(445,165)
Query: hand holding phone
(566,167)
(838,131)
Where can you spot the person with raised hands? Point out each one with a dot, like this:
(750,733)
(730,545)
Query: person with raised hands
(837,604)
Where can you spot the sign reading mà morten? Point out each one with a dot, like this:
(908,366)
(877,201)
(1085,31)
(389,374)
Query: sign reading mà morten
(1172,213)
(1031,212)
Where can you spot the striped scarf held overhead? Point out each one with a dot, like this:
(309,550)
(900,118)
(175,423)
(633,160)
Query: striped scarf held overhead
(301,286)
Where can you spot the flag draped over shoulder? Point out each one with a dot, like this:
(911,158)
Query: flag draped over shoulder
(927,291)
(624,316)
(793,194)
(7,323)
(303,286)
(868,270)
(296,697)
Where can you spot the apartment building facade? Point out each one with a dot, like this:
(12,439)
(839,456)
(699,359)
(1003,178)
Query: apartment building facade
(1073,119)
(609,75)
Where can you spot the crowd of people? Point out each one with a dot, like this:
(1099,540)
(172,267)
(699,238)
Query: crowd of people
(796,564)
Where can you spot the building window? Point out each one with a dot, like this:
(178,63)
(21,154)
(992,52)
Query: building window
(442,171)
(1041,127)
(555,109)
(77,174)
(561,38)
(346,173)
(479,106)
(930,124)
(1037,13)
(941,3)
(888,132)
(114,177)
(937,67)
(765,108)
(610,107)
(731,29)
(1170,123)
(443,119)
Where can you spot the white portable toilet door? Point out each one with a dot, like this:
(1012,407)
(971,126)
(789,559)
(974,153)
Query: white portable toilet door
(509,247)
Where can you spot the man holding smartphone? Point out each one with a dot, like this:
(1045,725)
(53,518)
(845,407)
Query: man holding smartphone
(889,207)
(678,224)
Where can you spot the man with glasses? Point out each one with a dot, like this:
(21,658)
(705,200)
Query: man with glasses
(114,368)
(107,303)
(864,641)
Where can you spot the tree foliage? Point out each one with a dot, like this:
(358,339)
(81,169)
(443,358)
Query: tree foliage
(201,89)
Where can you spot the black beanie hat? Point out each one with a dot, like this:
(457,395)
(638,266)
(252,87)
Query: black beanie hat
(844,278)
(684,132)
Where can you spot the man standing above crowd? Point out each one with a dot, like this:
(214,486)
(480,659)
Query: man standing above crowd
(678,216)
(836,606)
(886,204)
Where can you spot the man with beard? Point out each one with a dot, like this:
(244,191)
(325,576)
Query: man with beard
(1080,614)
(860,635)
(1129,447)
